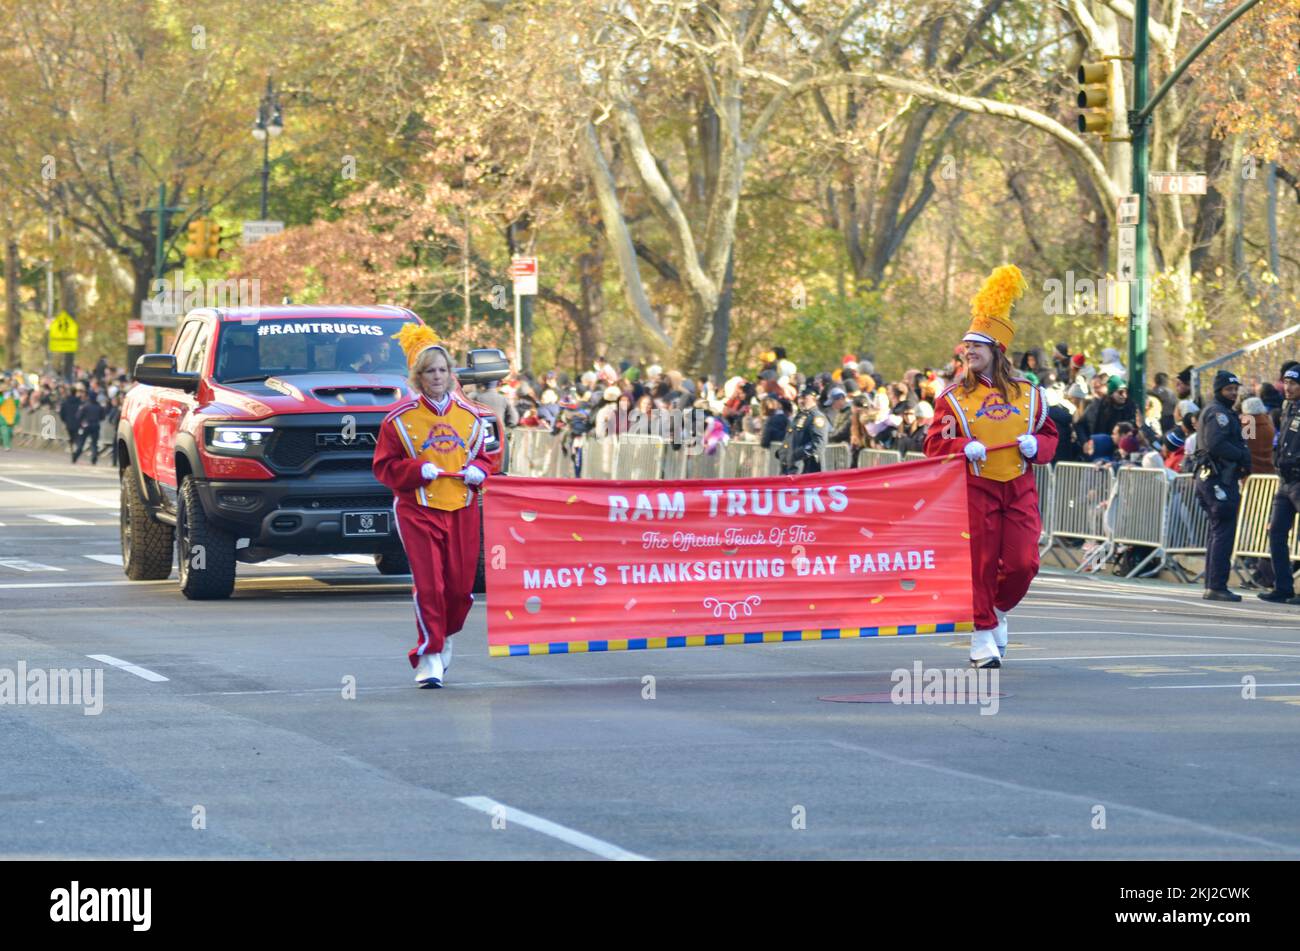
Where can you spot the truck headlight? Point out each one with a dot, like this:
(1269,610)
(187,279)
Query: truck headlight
(237,438)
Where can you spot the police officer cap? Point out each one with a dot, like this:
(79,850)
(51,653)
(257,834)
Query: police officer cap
(1224,378)
(810,390)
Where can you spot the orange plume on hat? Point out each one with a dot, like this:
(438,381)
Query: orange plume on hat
(991,308)
(415,338)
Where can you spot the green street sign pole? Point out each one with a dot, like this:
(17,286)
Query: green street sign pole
(164,212)
(1139,121)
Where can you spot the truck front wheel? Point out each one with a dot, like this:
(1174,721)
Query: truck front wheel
(392,562)
(205,554)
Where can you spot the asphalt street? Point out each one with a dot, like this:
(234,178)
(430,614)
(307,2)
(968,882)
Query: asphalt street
(1122,732)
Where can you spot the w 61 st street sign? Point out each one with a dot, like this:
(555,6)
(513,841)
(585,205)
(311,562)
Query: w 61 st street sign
(1167,183)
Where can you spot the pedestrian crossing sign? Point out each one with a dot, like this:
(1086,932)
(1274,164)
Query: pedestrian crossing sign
(63,334)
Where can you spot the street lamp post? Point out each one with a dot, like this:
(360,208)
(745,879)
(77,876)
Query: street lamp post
(269,124)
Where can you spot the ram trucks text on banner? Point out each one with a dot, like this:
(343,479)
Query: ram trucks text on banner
(587,565)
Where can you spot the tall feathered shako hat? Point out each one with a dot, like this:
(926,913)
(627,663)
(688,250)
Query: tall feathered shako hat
(414,339)
(990,309)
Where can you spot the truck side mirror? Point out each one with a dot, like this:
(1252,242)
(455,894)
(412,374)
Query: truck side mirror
(159,369)
(482,366)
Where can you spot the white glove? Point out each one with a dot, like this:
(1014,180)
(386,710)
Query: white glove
(975,451)
(1028,445)
(429,472)
(473,475)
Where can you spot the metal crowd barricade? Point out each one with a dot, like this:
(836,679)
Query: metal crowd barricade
(701,465)
(747,460)
(1078,491)
(639,457)
(598,457)
(525,453)
(1045,485)
(1251,540)
(836,457)
(1187,526)
(913,456)
(877,457)
(1138,510)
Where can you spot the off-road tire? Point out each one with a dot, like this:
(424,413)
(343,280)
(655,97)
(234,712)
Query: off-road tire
(216,579)
(147,546)
(392,562)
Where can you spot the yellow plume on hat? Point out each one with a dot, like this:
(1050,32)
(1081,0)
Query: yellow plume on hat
(991,308)
(413,338)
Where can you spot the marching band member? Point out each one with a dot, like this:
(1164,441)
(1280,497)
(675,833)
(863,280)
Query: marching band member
(430,453)
(990,405)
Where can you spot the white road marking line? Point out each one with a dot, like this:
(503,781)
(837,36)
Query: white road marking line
(545,826)
(106,559)
(78,584)
(1176,637)
(1236,686)
(356,559)
(1088,800)
(270,563)
(1030,660)
(129,667)
(22,564)
(60,519)
(71,495)
(375,583)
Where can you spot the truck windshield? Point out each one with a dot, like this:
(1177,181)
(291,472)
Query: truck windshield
(255,351)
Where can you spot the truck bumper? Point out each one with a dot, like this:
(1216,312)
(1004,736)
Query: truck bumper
(300,516)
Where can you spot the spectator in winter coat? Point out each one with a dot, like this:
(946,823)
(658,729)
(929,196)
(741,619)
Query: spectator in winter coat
(911,435)
(1255,416)
(775,422)
(1115,408)
(68,413)
(89,415)
(1172,448)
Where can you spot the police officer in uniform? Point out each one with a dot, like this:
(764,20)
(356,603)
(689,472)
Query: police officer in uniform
(1222,460)
(801,452)
(1286,458)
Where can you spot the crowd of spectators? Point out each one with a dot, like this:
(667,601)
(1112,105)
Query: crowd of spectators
(79,406)
(1089,403)
(1087,400)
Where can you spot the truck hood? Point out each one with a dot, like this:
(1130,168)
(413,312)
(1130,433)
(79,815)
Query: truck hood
(309,393)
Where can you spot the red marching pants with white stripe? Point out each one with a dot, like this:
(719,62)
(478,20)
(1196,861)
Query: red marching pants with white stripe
(442,548)
(1004,529)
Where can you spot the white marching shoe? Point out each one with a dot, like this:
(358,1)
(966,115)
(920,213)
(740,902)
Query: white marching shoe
(984,649)
(1000,632)
(428,671)
(445,654)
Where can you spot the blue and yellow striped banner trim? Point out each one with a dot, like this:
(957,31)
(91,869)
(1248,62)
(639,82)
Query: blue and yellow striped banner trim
(717,640)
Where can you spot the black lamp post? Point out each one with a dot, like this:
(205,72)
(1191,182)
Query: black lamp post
(270,123)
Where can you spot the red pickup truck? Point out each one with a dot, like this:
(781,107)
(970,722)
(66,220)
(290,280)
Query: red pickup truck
(254,438)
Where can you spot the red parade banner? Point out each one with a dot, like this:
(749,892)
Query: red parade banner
(580,565)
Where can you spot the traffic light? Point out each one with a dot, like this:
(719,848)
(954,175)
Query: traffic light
(214,239)
(197,247)
(1094,98)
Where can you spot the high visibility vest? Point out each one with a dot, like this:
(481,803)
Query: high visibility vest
(984,414)
(449,439)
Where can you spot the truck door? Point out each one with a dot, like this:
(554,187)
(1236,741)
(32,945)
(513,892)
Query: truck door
(170,406)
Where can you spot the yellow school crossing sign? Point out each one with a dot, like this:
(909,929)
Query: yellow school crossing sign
(63,334)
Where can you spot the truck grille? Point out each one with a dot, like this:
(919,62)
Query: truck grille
(294,448)
(337,502)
